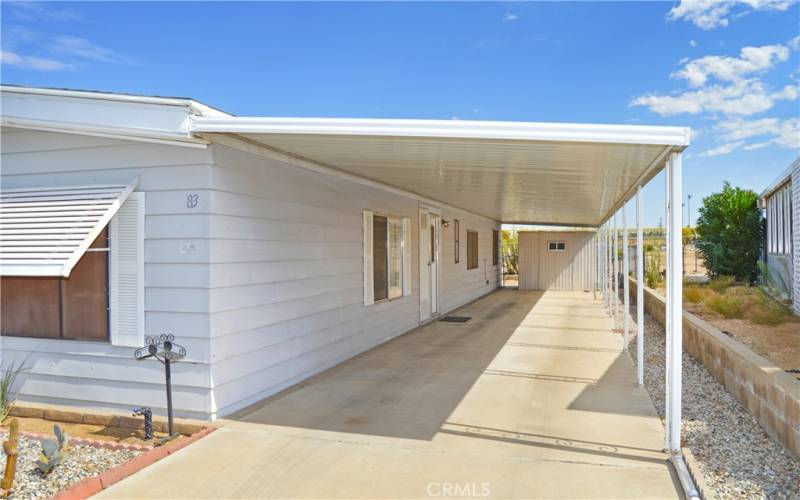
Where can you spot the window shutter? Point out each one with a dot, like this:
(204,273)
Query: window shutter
(126,261)
(369,292)
(406,256)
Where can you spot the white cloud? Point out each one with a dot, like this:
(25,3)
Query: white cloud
(710,14)
(510,17)
(738,129)
(744,97)
(32,62)
(36,11)
(80,47)
(786,135)
(723,149)
(752,60)
(692,43)
(723,84)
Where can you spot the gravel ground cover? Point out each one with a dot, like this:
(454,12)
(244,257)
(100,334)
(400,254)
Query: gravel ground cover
(735,456)
(83,461)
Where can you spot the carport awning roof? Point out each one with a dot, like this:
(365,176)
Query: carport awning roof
(543,173)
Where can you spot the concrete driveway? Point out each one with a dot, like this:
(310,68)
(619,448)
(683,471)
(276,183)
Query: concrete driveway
(531,398)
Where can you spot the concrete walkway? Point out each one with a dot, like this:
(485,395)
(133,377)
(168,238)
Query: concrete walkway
(531,398)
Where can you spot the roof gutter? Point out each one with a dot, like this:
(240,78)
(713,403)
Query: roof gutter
(136,134)
(446,129)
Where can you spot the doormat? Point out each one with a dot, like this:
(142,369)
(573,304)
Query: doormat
(456,319)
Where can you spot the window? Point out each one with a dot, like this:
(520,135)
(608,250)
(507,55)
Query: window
(457,236)
(779,221)
(495,247)
(556,246)
(67,308)
(472,249)
(386,258)
(84,281)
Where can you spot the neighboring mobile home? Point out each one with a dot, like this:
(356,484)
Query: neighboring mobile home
(272,248)
(782,206)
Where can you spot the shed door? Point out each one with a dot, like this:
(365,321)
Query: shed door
(556,261)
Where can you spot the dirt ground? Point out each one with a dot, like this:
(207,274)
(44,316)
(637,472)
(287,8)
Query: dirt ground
(86,431)
(779,344)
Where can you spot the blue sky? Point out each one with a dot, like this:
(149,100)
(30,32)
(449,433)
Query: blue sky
(728,69)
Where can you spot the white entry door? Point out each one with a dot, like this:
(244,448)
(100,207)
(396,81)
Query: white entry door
(429,264)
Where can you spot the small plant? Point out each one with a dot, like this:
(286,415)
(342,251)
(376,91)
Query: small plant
(652,274)
(766,310)
(7,379)
(728,306)
(722,283)
(695,294)
(54,451)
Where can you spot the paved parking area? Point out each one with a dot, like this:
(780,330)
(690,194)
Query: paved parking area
(531,398)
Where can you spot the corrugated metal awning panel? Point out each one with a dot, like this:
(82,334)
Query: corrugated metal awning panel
(45,231)
(548,182)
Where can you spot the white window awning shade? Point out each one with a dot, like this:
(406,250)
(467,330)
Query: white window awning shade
(45,231)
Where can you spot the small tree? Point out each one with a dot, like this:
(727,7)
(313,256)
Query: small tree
(730,233)
(511,250)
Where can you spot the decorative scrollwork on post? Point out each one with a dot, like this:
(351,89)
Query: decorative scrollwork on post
(164,349)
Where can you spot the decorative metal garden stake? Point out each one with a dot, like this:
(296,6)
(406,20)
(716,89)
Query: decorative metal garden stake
(148,420)
(164,349)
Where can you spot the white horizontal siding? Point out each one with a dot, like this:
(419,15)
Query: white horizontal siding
(796,235)
(97,374)
(286,274)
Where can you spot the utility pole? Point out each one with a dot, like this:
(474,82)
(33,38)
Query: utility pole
(689,211)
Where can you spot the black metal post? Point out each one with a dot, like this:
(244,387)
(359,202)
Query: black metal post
(168,373)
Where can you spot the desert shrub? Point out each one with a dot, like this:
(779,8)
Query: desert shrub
(730,232)
(728,306)
(765,310)
(8,377)
(722,283)
(652,271)
(695,294)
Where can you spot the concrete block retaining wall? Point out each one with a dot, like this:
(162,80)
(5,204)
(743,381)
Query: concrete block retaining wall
(769,394)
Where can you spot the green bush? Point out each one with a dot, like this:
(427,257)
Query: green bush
(730,231)
(728,306)
(722,283)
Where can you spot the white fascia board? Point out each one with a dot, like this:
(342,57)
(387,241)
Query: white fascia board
(148,119)
(784,178)
(112,132)
(198,107)
(456,129)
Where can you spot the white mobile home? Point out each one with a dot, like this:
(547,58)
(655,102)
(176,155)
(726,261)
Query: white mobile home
(272,248)
(781,202)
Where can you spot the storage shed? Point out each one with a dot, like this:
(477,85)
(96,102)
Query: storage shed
(557,260)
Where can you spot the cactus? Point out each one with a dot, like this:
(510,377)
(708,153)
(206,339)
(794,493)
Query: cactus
(54,451)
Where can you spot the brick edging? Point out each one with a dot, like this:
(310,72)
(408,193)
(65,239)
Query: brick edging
(95,484)
(97,443)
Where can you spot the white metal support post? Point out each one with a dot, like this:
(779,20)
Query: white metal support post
(639,289)
(625,277)
(675,298)
(667,316)
(606,283)
(615,273)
